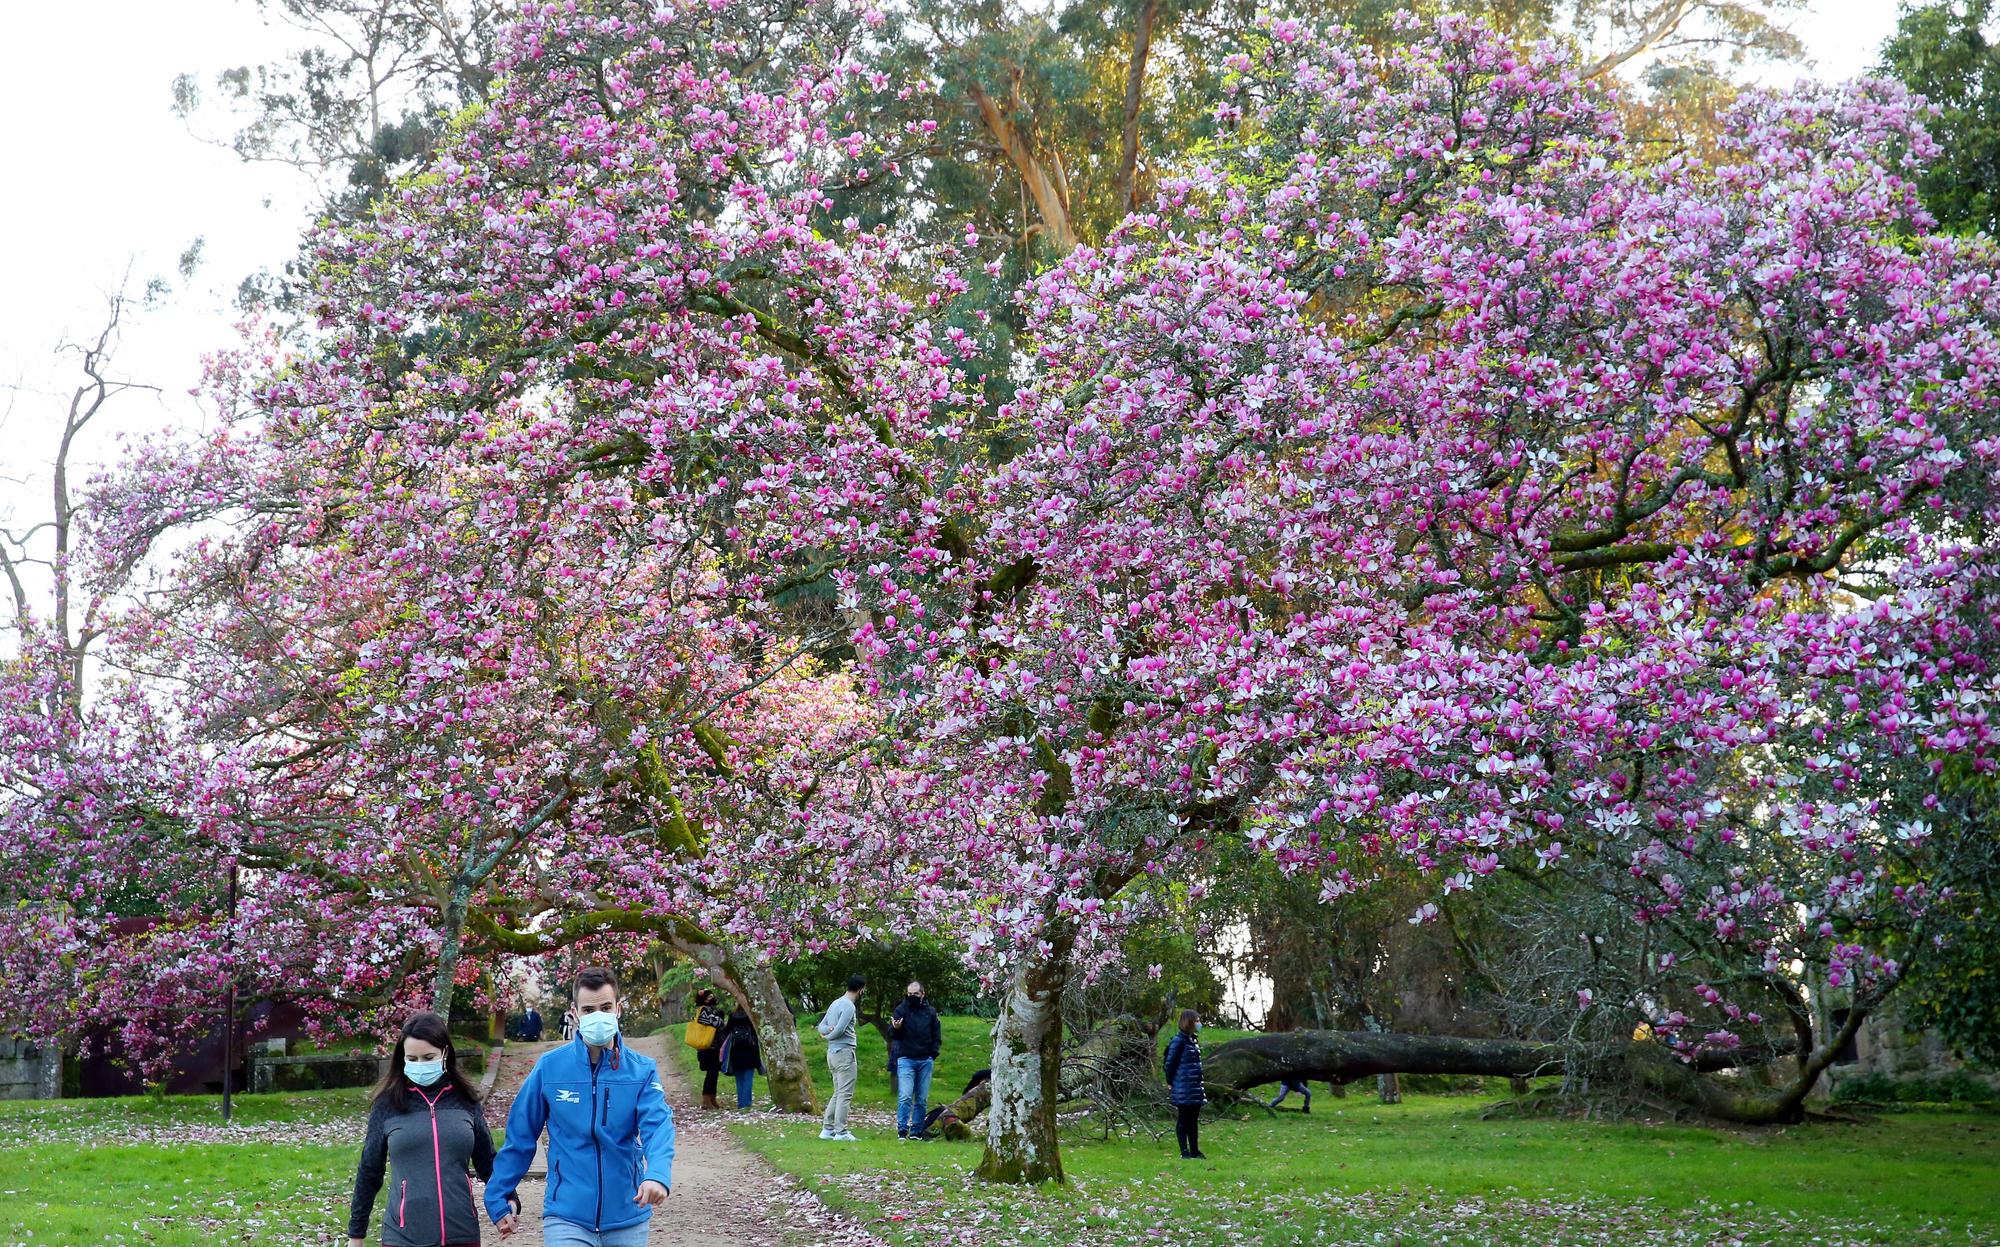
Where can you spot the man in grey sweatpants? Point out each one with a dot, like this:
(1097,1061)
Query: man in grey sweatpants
(841,1058)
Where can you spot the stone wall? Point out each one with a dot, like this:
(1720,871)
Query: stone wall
(29,1072)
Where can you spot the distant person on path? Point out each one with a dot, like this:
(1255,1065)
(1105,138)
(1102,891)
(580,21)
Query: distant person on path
(569,1025)
(1289,1085)
(611,1134)
(1184,1088)
(919,1038)
(741,1056)
(709,1014)
(531,1026)
(425,1128)
(837,1027)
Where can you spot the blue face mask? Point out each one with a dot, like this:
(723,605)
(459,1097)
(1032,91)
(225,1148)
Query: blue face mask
(424,1073)
(598,1029)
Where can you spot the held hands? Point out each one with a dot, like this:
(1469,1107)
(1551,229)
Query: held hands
(896,1022)
(507,1224)
(651,1194)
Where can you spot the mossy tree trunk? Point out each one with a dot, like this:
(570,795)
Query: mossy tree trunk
(1021,1143)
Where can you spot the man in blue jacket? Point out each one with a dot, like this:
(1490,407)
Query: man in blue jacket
(611,1134)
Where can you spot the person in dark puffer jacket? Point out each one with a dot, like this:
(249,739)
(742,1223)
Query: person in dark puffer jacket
(1184,1086)
(918,1038)
(426,1130)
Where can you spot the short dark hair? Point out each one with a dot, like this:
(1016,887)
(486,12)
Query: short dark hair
(592,977)
(1188,1019)
(855,982)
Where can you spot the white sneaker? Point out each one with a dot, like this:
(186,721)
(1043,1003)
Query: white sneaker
(827,1134)
(845,1136)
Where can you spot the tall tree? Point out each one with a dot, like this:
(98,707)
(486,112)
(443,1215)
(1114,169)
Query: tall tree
(1945,52)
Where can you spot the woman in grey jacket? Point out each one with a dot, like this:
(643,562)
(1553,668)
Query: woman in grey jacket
(425,1128)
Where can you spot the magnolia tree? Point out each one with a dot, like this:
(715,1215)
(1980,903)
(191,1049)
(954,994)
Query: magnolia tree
(455,704)
(1426,477)
(478,662)
(1432,479)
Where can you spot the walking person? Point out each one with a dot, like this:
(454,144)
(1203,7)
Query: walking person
(842,1059)
(425,1129)
(708,1016)
(741,1056)
(611,1134)
(1287,1086)
(1184,1087)
(919,1038)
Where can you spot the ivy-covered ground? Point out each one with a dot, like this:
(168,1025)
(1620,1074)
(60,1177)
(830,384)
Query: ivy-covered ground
(1433,1170)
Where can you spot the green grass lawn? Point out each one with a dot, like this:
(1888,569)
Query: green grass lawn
(968,1046)
(167,1173)
(1432,1170)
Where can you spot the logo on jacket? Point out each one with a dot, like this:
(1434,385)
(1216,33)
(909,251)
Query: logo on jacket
(657,1087)
(568,1097)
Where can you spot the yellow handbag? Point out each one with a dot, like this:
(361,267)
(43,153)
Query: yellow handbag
(699,1035)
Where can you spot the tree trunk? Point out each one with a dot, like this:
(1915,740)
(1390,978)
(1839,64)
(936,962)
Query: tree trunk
(1050,203)
(1737,1100)
(1135,87)
(1340,1056)
(754,987)
(451,942)
(1021,1144)
(1115,1047)
(778,1039)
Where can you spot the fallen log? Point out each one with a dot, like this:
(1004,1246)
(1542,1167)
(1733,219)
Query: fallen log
(1343,1056)
(1123,1048)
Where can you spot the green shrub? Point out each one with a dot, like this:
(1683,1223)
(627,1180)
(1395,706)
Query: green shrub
(1444,1084)
(1956,1087)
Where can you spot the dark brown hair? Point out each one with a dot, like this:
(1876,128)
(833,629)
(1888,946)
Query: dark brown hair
(1188,1019)
(593,977)
(395,1084)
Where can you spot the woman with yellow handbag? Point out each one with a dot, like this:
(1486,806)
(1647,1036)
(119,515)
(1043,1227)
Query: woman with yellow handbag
(704,1035)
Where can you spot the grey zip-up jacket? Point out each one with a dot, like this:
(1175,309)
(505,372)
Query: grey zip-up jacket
(427,1150)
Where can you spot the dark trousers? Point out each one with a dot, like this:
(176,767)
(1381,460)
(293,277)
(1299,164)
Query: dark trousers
(1187,1128)
(709,1078)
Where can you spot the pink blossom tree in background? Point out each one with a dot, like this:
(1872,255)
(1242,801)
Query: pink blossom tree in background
(1428,479)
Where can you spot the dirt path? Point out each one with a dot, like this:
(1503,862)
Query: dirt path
(723,1196)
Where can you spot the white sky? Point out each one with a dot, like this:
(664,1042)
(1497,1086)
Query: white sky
(102,177)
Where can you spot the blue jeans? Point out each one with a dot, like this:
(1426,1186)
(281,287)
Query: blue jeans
(746,1088)
(558,1233)
(913,1092)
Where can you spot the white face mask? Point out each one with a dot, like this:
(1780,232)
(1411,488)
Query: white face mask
(424,1073)
(598,1029)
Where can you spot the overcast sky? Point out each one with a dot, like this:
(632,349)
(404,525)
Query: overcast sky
(103,178)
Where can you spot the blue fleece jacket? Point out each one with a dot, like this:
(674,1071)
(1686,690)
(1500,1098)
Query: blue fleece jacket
(609,1130)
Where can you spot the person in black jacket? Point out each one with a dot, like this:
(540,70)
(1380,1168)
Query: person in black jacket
(425,1128)
(708,1013)
(740,1056)
(918,1039)
(1184,1085)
